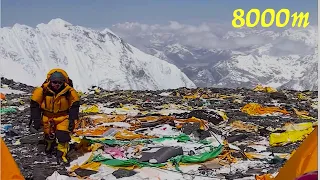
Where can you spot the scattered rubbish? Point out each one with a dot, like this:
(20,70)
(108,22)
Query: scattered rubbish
(265,89)
(280,139)
(161,155)
(256,109)
(239,125)
(6,127)
(7,110)
(120,173)
(2,96)
(57,176)
(84,172)
(171,134)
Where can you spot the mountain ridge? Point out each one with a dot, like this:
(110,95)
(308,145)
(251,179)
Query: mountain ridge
(90,57)
(214,57)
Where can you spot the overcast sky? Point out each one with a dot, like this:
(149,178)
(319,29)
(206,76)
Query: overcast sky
(105,13)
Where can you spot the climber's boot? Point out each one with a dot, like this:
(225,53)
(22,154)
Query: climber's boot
(62,150)
(49,145)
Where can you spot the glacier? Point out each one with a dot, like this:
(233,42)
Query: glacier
(90,57)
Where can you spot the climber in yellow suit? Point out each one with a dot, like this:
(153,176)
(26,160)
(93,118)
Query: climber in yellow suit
(55,105)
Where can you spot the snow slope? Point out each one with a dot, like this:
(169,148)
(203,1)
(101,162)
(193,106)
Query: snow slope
(90,57)
(214,55)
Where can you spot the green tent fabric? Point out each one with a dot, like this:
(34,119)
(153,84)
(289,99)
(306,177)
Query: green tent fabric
(7,110)
(175,160)
(204,142)
(196,158)
(214,152)
(180,138)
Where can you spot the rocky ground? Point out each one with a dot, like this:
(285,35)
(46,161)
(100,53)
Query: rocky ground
(27,150)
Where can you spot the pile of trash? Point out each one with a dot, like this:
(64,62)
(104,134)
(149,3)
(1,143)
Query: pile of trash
(203,133)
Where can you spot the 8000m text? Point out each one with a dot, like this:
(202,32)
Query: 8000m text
(240,19)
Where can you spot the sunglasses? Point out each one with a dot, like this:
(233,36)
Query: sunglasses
(57,82)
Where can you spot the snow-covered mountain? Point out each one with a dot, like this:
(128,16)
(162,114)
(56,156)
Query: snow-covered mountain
(211,55)
(90,57)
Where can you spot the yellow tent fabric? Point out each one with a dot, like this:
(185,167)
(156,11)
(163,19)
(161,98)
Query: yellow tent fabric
(304,160)
(9,168)
(259,87)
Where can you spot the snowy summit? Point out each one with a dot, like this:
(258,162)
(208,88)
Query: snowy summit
(90,57)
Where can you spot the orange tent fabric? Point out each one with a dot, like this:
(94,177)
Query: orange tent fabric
(304,160)
(9,168)
(2,96)
(264,177)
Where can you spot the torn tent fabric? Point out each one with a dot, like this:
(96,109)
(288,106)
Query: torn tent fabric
(255,109)
(175,160)
(294,133)
(309,176)
(304,160)
(264,177)
(180,138)
(196,158)
(7,110)
(2,96)
(9,168)
(259,87)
